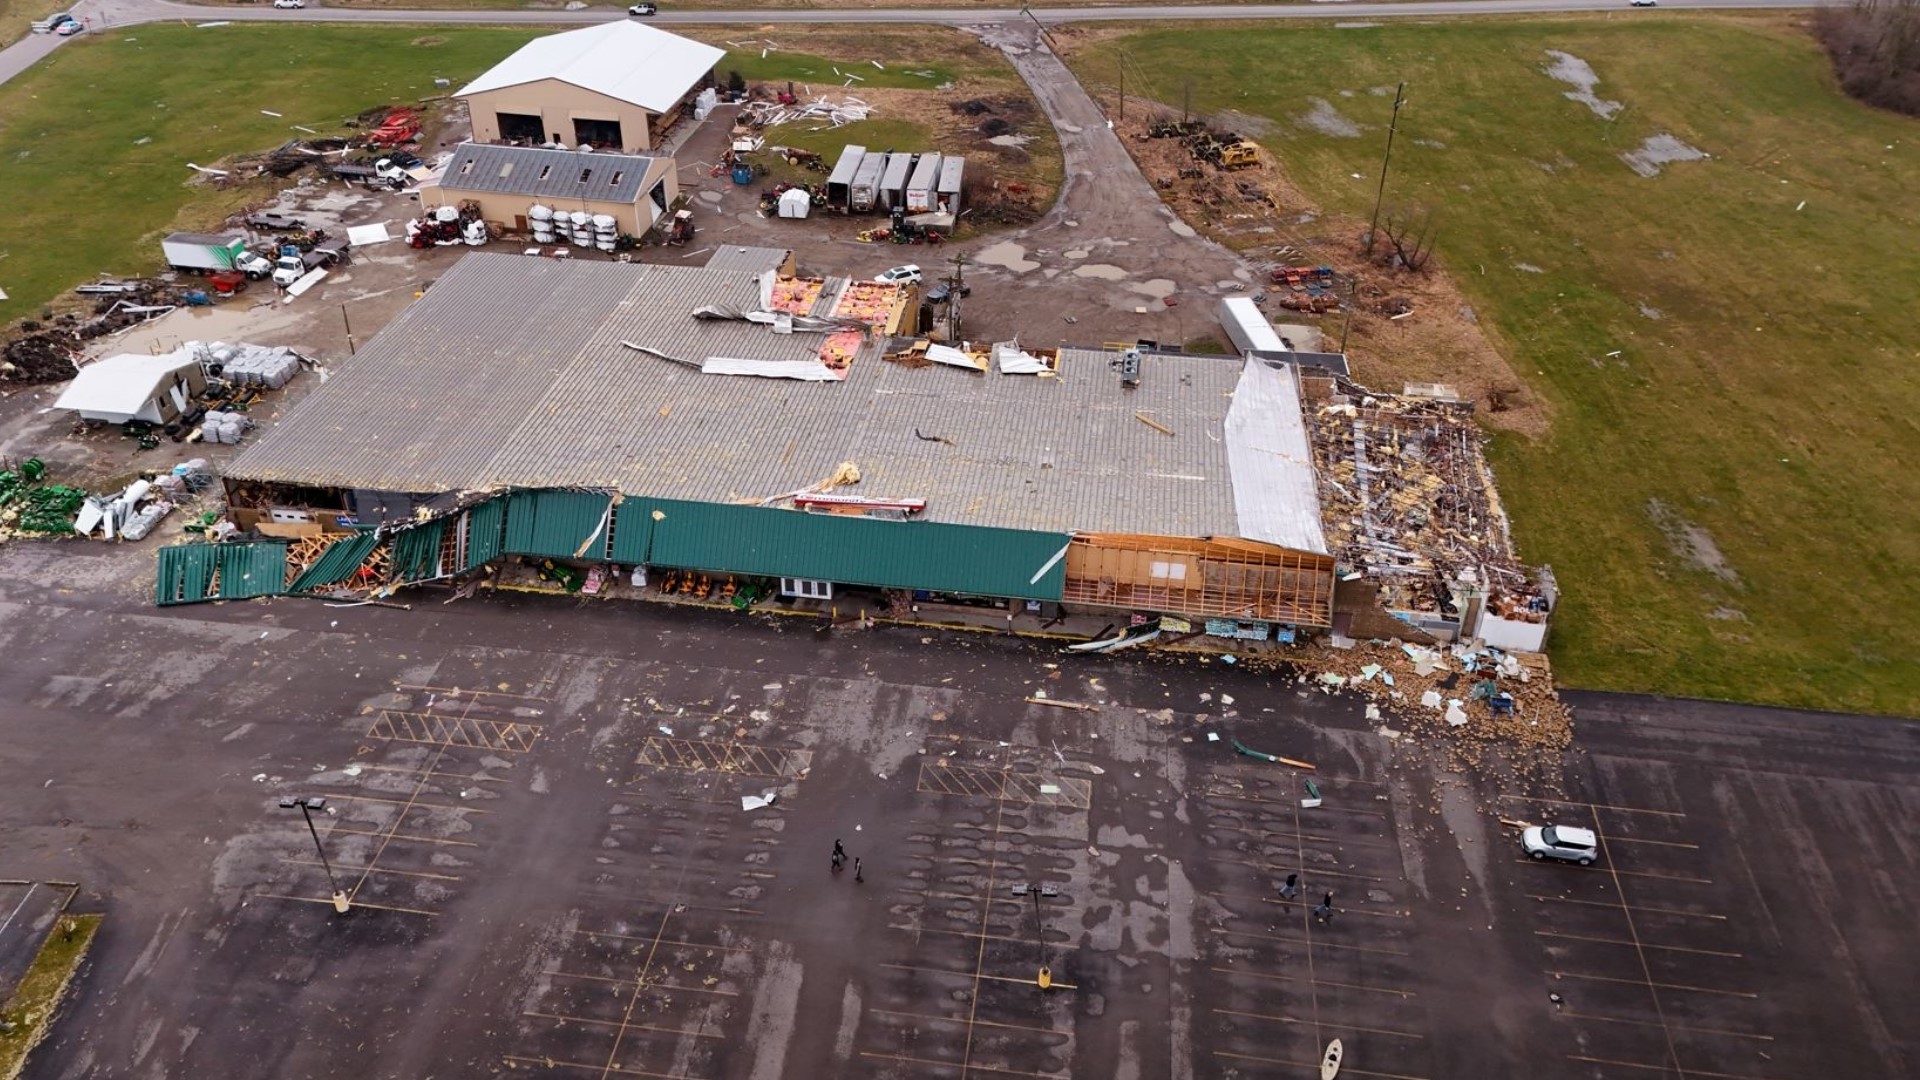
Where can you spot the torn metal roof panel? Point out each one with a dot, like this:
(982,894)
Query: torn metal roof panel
(1275,494)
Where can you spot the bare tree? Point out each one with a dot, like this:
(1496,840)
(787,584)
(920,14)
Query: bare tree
(1411,230)
(1875,49)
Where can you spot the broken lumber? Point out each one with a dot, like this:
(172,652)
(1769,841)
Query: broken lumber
(1152,423)
(1075,705)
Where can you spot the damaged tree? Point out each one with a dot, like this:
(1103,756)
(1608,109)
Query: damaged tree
(1411,230)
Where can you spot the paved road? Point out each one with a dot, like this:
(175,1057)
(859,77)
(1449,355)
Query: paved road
(25,54)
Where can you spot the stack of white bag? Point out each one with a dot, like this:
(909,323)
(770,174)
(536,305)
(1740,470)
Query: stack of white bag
(220,426)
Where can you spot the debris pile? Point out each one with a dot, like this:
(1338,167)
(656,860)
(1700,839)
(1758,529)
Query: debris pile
(43,357)
(1408,501)
(822,111)
(1482,707)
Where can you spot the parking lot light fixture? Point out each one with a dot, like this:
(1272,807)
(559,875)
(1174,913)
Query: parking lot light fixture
(306,807)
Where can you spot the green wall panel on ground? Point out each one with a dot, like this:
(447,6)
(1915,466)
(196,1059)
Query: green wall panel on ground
(855,551)
(187,572)
(555,524)
(250,570)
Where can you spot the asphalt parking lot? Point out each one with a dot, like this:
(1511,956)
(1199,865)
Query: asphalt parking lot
(535,807)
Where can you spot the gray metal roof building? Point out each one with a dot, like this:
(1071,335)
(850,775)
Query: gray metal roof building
(510,373)
(547,174)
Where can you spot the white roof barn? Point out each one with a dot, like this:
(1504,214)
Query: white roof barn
(621,60)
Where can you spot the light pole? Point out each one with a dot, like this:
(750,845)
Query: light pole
(306,807)
(1045,977)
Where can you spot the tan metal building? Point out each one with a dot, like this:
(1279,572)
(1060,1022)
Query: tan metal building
(617,86)
(508,181)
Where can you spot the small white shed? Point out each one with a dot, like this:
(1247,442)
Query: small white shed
(132,386)
(795,203)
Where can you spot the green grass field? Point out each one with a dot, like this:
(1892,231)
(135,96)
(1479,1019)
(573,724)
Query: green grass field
(95,140)
(1765,389)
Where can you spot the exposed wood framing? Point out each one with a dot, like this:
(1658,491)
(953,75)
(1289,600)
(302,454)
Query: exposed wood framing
(1222,577)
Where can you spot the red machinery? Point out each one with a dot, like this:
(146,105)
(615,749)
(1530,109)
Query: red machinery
(400,126)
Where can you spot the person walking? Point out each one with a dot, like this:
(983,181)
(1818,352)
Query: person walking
(1324,913)
(857,876)
(839,856)
(1291,888)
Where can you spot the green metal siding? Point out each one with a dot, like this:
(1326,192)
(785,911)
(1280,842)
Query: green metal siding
(185,575)
(632,533)
(485,525)
(416,552)
(856,551)
(555,524)
(337,563)
(250,570)
(186,572)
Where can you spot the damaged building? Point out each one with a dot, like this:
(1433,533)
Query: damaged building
(635,422)
(1414,518)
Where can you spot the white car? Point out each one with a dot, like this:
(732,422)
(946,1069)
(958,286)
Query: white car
(71,27)
(643,10)
(1563,842)
(289,3)
(900,275)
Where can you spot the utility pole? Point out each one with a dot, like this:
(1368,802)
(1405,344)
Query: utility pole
(955,284)
(1399,98)
(1123,85)
(1353,291)
(1186,101)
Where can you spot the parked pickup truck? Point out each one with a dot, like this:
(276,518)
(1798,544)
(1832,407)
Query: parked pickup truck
(291,266)
(52,23)
(205,253)
(382,175)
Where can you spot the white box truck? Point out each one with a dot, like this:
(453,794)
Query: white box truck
(208,253)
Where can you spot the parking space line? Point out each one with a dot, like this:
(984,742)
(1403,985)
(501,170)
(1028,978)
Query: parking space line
(1281,802)
(1621,873)
(1297,1020)
(1595,806)
(436,729)
(338,831)
(960,1020)
(1615,837)
(1402,994)
(639,983)
(409,802)
(1308,941)
(357,903)
(1664,1068)
(978,934)
(1676,1027)
(689,944)
(1306,1066)
(1638,944)
(695,1032)
(1378,841)
(377,870)
(1646,969)
(454,691)
(1329,873)
(1658,985)
(554,1063)
(970,975)
(1277,902)
(411,770)
(962,1066)
(1636,907)
(980,954)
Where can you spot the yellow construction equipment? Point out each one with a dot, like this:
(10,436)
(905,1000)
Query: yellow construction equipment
(1243,154)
